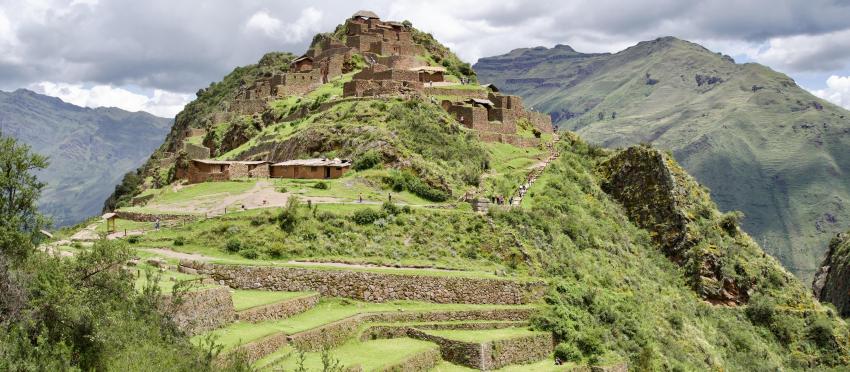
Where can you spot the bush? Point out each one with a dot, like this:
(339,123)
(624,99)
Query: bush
(761,310)
(366,216)
(250,254)
(390,208)
(567,352)
(276,250)
(282,190)
(288,217)
(321,185)
(133,239)
(233,245)
(368,160)
(820,331)
(179,241)
(257,221)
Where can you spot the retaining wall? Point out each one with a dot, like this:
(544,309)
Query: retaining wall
(280,310)
(202,310)
(373,286)
(148,217)
(491,354)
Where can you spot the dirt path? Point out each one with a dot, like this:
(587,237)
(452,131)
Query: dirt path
(89,233)
(178,255)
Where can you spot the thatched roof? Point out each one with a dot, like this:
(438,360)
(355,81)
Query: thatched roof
(368,14)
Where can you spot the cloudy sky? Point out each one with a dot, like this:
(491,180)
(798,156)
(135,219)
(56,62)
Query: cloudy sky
(153,55)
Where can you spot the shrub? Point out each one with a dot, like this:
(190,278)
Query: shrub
(368,160)
(257,220)
(250,254)
(567,352)
(282,190)
(730,221)
(133,239)
(233,245)
(820,331)
(366,216)
(321,185)
(761,310)
(276,250)
(390,208)
(179,241)
(288,217)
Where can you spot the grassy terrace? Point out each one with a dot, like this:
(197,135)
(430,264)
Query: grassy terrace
(248,299)
(482,335)
(167,279)
(370,355)
(328,311)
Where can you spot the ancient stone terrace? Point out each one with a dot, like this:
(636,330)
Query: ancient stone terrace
(496,118)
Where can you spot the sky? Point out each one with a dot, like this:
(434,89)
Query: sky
(153,55)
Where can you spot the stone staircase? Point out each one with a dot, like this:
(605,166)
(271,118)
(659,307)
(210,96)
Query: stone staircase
(516,199)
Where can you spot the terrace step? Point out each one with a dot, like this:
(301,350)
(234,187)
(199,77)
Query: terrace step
(380,355)
(278,310)
(488,349)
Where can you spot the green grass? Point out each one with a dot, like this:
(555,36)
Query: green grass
(369,355)
(510,166)
(327,311)
(484,335)
(247,299)
(205,189)
(167,279)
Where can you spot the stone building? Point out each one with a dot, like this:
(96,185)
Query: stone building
(430,74)
(205,170)
(310,168)
(497,117)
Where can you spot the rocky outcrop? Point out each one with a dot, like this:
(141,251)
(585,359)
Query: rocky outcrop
(832,280)
(662,198)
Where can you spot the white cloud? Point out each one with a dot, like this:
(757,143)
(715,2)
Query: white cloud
(308,23)
(837,91)
(824,52)
(160,103)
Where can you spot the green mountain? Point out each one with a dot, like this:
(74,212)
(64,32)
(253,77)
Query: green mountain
(762,144)
(89,149)
(639,265)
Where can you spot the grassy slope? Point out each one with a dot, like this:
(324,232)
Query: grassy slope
(247,299)
(769,153)
(369,355)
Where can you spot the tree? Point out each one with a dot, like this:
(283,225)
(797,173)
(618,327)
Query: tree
(20,221)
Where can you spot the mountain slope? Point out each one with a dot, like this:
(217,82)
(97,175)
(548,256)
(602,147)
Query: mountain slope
(639,262)
(762,144)
(89,149)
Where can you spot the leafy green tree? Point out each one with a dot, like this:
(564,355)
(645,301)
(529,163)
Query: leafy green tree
(20,221)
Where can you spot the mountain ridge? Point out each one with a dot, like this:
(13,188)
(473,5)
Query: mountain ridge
(762,144)
(89,148)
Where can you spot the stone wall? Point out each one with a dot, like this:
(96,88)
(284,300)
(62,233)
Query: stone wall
(541,121)
(371,88)
(280,310)
(491,354)
(148,217)
(201,310)
(469,116)
(387,74)
(509,139)
(259,171)
(461,93)
(377,287)
(194,151)
(424,361)
(256,350)
(248,106)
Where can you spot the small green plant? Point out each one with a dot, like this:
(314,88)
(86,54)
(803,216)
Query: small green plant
(567,352)
(321,185)
(133,239)
(250,253)
(329,363)
(289,216)
(179,241)
(233,245)
(282,189)
(368,160)
(391,209)
(366,216)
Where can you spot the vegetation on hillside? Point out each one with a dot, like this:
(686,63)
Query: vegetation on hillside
(79,314)
(761,143)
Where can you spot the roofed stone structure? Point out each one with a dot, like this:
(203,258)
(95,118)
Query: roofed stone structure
(367,14)
(318,168)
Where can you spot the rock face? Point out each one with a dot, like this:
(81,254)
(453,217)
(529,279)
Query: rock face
(832,280)
(660,197)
